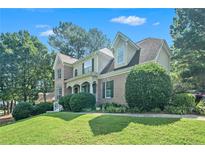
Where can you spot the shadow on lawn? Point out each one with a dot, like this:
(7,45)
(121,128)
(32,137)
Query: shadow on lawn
(107,124)
(63,115)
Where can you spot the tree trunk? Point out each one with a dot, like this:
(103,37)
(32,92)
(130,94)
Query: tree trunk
(25,97)
(4,107)
(11,106)
(44,97)
(8,107)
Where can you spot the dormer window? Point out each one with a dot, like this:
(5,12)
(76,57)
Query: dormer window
(120,55)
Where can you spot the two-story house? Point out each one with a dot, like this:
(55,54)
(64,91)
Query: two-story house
(104,72)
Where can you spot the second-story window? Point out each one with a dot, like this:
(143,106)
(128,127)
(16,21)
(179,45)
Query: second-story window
(88,66)
(59,73)
(76,72)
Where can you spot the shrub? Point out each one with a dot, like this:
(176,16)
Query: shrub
(156,110)
(200,108)
(134,110)
(82,101)
(22,110)
(112,107)
(183,103)
(148,86)
(65,102)
(176,109)
(42,108)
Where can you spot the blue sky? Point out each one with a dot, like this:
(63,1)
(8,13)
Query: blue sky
(137,24)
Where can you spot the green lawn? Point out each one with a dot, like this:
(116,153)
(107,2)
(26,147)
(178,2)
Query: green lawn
(69,128)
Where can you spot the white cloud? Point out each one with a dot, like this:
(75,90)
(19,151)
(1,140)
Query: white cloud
(47,33)
(130,20)
(42,26)
(156,23)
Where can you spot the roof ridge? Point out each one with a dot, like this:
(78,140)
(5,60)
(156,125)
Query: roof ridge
(67,55)
(151,38)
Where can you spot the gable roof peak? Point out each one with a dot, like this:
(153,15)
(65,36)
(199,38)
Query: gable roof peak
(66,58)
(120,34)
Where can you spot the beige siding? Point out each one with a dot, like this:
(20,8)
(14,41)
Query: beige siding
(129,52)
(68,72)
(103,60)
(58,82)
(119,89)
(163,59)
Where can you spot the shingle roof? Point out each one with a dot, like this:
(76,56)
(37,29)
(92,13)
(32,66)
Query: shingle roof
(107,52)
(67,59)
(149,49)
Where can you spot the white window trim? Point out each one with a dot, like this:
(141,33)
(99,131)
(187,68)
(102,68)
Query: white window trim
(122,48)
(108,97)
(88,69)
(59,70)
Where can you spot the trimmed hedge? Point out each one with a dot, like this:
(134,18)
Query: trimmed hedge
(148,86)
(65,102)
(181,104)
(22,110)
(42,108)
(82,101)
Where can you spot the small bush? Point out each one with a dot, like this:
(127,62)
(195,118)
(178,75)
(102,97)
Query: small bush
(65,102)
(181,104)
(22,110)
(42,108)
(148,86)
(200,108)
(82,101)
(113,107)
(134,110)
(156,110)
(176,109)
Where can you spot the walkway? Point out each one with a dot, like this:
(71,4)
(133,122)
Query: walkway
(187,116)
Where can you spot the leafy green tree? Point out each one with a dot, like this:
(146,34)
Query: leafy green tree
(97,40)
(75,41)
(24,62)
(188,33)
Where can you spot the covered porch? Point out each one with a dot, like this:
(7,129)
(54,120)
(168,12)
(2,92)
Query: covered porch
(88,84)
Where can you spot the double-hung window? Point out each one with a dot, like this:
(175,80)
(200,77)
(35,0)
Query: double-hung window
(88,66)
(59,73)
(59,92)
(108,89)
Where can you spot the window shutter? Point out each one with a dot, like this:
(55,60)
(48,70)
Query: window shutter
(112,88)
(103,90)
(93,65)
(83,71)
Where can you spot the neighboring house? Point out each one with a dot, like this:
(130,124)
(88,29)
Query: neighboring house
(104,72)
(49,97)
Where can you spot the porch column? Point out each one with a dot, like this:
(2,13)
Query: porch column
(80,86)
(91,88)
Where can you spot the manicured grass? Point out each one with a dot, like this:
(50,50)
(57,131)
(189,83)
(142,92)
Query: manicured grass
(69,128)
